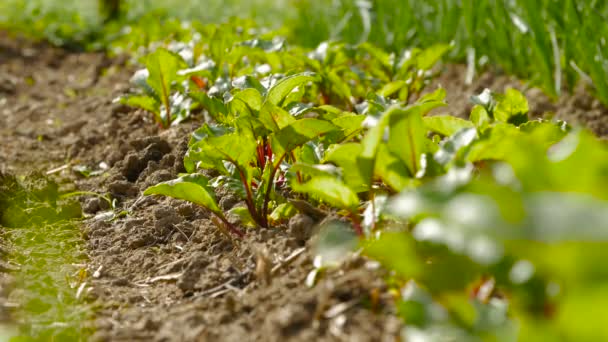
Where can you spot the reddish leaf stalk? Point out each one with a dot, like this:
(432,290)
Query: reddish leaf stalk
(269,188)
(230,226)
(354,217)
(249,200)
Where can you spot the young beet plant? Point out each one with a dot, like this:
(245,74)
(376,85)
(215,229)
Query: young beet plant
(258,136)
(391,153)
(162,93)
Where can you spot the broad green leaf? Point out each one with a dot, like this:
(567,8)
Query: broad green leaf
(314,170)
(445,125)
(351,125)
(283,212)
(192,188)
(407,137)
(437,96)
(163,66)
(142,101)
(346,157)
(244,216)
(480,117)
(210,152)
(512,107)
(249,82)
(338,85)
(251,127)
(427,58)
(214,106)
(391,88)
(370,142)
(298,133)
(140,79)
(330,190)
(330,112)
(452,145)
(497,143)
(378,54)
(207,130)
(395,251)
(278,92)
(333,244)
(274,117)
(392,171)
(247,101)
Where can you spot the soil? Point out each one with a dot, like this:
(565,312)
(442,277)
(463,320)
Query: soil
(164,272)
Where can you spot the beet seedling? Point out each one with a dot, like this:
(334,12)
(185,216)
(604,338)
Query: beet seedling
(157,82)
(249,153)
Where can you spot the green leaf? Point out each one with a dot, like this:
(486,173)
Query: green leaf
(214,106)
(244,216)
(140,79)
(249,82)
(351,125)
(512,107)
(392,171)
(251,127)
(246,101)
(334,242)
(210,152)
(330,112)
(278,92)
(395,251)
(283,212)
(370,143)
(338,85)
(330,190)
(207,130)
(407,138)
(391,88)
(346,157)
(298,133)
(453,144)
(314,170)
(274,117)
(445,125)
(427,58)
(142,101)
(163,66)
(192,188)
(480,117)
(497,143)
(437,96)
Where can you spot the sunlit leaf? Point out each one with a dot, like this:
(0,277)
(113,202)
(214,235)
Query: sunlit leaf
(445,124)
(192,188)
(278,92)
(512,107)
(330,190)
(297,133)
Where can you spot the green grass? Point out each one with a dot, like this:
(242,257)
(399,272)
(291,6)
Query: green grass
(47,254)
(547,41)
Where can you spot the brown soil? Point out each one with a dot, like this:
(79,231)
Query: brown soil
(165,273)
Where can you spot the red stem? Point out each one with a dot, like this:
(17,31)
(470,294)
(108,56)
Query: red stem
(249,200)
(269,188)
(230,226)
(356,223)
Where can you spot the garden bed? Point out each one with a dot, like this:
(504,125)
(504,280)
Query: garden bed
(160,269)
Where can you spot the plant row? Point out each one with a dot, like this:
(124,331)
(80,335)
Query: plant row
(490,226)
